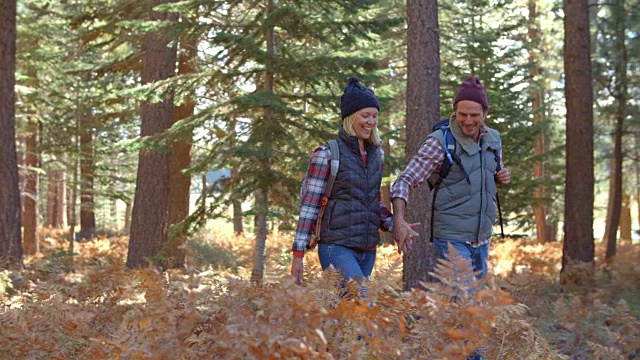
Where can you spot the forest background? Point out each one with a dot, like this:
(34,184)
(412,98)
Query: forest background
(152,152)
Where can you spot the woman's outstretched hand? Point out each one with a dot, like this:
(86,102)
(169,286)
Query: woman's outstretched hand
(297,269)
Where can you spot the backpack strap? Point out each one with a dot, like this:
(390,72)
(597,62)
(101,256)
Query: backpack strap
(334,165)
(451,157)
(498,167)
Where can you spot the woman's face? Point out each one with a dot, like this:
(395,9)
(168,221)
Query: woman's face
(365,122)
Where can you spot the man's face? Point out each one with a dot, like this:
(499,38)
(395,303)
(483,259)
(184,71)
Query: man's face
(470,117)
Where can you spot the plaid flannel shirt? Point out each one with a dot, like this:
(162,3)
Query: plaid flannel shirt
(317,178)
(427,161)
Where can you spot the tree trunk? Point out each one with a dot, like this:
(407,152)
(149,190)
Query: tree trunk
(260,251)
(71,206)
(625,218)
(238,227)
(128,210)
(636,166)
(150,217)
(51,198)
(87,172)
(578,247)
(10,207)
(423,99)
(180,183)
(32,179)
(203,195)
(61,200)
(620,95)
(539,209)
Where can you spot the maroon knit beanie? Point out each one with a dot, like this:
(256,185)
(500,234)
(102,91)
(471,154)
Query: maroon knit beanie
(472,89)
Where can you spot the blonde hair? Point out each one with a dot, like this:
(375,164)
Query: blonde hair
(347,125)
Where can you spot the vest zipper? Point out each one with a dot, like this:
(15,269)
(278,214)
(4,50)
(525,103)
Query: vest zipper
(481,192)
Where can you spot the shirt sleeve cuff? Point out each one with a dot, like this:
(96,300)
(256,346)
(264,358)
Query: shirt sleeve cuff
(298,253)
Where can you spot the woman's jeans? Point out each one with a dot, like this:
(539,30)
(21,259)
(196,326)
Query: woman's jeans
(479,256)
(352,264)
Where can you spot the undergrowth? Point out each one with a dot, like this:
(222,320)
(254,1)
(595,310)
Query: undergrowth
(89,306)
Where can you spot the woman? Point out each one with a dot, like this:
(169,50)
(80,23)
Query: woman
(353,213)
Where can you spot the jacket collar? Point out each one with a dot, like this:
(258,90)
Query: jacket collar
(351,142)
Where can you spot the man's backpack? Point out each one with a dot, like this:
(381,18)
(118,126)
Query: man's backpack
(451,157)
(334,149)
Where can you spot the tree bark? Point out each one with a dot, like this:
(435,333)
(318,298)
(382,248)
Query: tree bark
(625,218)
(128,210)
(578,246)
(32,179)
(51,198)
(150,216)
(539,209)
(238,227)
(423,99)
(180,183)
(10,207)
(620,95)
(87,174)
(73,199)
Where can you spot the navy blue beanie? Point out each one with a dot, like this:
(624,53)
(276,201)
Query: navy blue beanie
(356,97)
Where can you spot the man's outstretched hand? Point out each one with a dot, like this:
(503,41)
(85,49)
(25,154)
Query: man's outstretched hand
(403,234)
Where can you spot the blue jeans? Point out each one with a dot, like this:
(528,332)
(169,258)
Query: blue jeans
(479,256)
(352,264)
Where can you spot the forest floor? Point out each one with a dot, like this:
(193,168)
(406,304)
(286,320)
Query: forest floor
(89,306)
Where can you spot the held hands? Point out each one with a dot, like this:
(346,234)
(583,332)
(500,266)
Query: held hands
(297,269)
(503,176)
(403,234)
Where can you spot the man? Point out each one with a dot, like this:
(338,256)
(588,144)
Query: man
(465,204)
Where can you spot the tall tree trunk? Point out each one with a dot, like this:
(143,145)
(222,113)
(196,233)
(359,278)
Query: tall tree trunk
(625,218)
(180,183)
(262,194)
(578,246)
(636,166)
(10,208)
(539,209)
(32,179)
(203,194)
(87,173)
(150,217)
(56,198)
(128,210)
(51,198)
(238,227)
(423,99)
(73,200)
(62,216)
(620,93)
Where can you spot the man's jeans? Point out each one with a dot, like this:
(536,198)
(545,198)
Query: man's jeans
(352,264)
(479,256)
